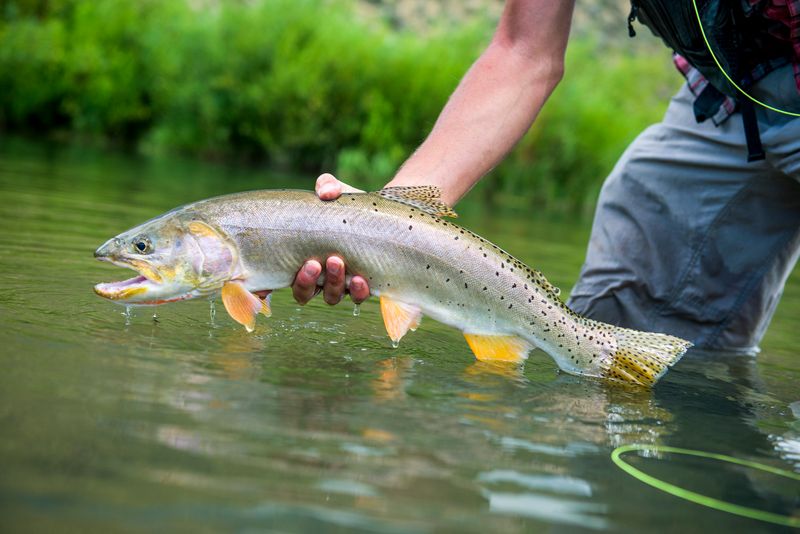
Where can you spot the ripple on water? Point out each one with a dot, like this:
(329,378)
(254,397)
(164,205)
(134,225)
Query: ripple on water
(552,483)
(347,487)
(568,450)
(557,510)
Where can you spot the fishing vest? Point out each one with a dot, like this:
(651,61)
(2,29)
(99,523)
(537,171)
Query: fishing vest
(740,43)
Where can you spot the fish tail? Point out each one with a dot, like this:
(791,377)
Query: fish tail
(642,357)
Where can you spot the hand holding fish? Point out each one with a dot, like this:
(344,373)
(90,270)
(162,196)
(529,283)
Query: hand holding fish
(305,285)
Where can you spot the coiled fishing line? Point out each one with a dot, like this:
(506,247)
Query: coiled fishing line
(704,500)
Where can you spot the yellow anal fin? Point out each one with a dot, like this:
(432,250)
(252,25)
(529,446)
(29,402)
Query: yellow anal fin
(498,347)
(399,317)
(242,305)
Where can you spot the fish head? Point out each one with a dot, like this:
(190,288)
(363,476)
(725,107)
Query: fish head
(176,258)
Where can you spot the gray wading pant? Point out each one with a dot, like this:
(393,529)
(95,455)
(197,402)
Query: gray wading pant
(690,239)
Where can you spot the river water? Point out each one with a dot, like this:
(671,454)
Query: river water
(182,421)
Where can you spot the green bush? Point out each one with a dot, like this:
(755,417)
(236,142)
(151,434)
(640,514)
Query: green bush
(305,84)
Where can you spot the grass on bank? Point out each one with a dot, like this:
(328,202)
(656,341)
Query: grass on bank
(303,84)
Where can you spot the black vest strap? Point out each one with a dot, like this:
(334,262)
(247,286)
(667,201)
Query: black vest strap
(755,152)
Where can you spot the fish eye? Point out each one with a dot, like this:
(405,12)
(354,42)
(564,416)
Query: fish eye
(142,245)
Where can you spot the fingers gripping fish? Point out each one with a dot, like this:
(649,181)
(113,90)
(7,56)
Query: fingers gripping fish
(246,244)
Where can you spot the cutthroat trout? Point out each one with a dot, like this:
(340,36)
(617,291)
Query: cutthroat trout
(247,244)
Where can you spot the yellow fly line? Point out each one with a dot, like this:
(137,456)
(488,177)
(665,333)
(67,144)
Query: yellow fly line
(704,500)
(703,32)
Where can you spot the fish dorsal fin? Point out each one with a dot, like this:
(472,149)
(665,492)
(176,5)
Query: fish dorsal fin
(426,198)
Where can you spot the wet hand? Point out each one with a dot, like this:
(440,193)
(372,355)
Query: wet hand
(333,290)
(329,188)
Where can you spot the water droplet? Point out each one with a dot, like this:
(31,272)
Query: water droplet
(128,314)
(395,343)
(212,310)
(356,310)
(155,317)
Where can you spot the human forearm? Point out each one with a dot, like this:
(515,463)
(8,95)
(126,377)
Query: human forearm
(495,103)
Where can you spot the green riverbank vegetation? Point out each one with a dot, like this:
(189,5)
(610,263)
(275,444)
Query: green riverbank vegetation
(306,85)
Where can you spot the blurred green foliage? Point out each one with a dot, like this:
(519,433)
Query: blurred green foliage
(304,84)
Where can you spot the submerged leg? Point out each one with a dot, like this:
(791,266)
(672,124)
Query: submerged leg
(689,238)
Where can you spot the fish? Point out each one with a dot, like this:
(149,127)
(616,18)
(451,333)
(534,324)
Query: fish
(245,245)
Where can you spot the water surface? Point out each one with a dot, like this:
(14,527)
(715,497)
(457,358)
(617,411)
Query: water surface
(184,421)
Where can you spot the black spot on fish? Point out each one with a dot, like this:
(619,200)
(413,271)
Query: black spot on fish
(465,285)
(344,221)
(428,267)
(509,306)
(484,288)
(513,286)
(410,227)
(447,280)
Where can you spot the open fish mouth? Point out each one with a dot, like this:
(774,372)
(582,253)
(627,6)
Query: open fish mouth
(145,289)
(124,289)
(132,287)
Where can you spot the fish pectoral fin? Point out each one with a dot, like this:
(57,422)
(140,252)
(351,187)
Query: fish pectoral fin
(425,198)
(242,305)
(503,348)
(399,317)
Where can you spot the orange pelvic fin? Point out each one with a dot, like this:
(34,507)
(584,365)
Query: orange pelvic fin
(242,305)
(399,317)
(498,347)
